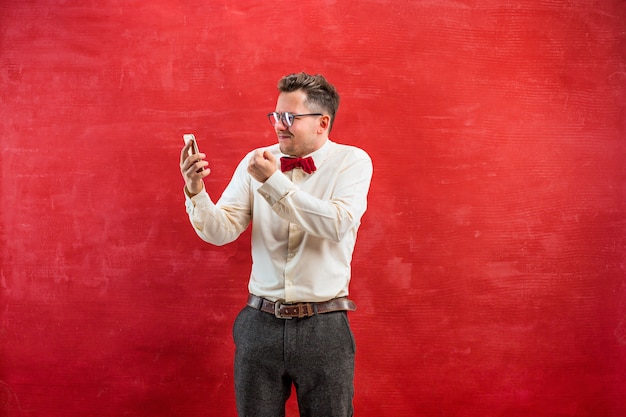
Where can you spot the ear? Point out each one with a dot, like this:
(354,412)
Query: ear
(324,124)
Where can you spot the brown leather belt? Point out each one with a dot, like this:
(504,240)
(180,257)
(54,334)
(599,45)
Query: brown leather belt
(300,310)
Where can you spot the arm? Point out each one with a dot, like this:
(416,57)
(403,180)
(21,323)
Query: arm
(338,203)
(219,223)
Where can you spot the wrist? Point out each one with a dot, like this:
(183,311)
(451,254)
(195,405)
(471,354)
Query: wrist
(193,191)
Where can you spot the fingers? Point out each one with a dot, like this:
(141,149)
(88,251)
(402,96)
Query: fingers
(187,160)
(195,166)
(257,161)
(262,165)
(184,153)
(269,157)
(193,169)
(196,169)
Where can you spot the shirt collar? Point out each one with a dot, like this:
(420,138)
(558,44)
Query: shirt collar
(320,155)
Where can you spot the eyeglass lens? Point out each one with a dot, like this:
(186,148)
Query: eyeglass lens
(286,118)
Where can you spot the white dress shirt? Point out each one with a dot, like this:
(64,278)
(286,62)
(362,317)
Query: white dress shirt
(304,226)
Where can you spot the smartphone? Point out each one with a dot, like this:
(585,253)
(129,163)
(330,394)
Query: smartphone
(190,137)
(187,137)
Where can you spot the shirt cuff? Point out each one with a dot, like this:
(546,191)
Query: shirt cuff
(193,201)
(276,187)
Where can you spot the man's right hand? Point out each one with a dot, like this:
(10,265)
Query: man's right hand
(193,168)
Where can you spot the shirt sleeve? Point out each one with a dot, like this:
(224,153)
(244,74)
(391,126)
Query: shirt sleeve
(328,218)
(222,222)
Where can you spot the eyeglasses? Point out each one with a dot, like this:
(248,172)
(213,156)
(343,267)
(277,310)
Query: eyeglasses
(287,118)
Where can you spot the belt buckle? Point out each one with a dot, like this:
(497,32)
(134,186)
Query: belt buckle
(277,306)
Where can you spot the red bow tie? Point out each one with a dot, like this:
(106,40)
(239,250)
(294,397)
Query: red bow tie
(307,164)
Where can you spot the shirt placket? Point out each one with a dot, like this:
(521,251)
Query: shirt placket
(294,241)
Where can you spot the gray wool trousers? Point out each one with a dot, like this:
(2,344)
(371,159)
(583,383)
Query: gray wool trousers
(315,354)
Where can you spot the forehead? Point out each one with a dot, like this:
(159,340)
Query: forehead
(291,102)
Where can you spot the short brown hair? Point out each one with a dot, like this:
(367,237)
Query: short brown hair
(319,92)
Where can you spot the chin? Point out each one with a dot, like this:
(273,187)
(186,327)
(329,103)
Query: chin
(284,149)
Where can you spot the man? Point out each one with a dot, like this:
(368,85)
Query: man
(305,197)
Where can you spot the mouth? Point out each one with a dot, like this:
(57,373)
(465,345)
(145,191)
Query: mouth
(283,136)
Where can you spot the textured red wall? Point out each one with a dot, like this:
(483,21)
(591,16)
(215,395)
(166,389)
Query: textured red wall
(490,268)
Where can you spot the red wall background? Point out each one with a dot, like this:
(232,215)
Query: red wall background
(490,267)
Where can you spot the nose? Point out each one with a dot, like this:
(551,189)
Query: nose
(281,125)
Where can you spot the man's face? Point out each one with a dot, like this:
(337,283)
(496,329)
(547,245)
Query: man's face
(307,134)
